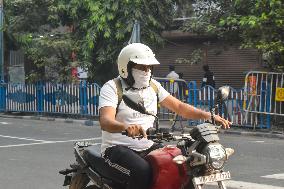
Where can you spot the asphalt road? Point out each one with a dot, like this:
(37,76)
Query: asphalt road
(33,151)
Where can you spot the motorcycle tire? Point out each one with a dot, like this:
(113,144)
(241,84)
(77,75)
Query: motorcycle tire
(79,181)
(91,187)
(94,187)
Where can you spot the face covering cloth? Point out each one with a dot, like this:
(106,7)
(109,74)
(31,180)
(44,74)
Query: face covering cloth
(141,78)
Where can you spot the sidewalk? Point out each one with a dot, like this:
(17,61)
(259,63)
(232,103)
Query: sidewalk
(87,122)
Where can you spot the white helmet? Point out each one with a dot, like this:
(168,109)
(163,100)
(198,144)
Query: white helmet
(137,53)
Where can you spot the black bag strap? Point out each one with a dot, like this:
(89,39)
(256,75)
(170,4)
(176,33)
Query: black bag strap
(119,90)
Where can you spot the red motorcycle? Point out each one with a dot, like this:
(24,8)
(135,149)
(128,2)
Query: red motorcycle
(196,160)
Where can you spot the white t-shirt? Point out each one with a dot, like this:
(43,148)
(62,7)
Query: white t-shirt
(173,86)
(108,97)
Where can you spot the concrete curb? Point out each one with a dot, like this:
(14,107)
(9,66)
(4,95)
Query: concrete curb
(82,122)
(244,132)
(254,133)
(232,131)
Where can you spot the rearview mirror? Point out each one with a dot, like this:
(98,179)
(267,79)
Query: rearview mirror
(223,93)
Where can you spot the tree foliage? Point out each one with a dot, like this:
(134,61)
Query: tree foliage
(32,26)
(102,28)
(261,26)
(98,31)
(254,24)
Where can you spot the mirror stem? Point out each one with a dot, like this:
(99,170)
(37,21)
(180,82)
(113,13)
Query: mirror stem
(212,112)
(157,123)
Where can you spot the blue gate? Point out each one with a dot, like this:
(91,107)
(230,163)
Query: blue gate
(233,109)
(82,99)
(79,98)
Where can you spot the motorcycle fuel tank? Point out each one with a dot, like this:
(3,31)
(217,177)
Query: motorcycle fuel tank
(166,173)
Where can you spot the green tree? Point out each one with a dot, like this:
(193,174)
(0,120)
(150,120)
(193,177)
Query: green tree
(99,29)
(261,26)
(32,26)
(255,24)
(102,28)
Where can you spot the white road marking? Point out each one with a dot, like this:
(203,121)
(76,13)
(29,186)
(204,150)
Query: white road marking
(4,123)
(246,185)
(275,176)
(257,141)
(49,142)
(21,138)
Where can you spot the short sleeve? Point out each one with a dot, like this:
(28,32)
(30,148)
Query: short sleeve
(108,95)
(162,93)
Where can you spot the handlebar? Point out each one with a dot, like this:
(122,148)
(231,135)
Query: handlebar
(124,133)
(218,128)
(166,136)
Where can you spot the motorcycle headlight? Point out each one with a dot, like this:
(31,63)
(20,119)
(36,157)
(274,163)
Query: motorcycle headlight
(216,156)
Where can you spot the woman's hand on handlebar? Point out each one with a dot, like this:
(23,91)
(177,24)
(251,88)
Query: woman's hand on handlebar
(223,122)
(135,130)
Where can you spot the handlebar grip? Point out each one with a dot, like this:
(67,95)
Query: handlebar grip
(124,133)
(218,128)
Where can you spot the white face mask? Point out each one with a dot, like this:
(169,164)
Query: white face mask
(141,78)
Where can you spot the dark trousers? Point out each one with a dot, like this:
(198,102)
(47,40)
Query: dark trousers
(129,166)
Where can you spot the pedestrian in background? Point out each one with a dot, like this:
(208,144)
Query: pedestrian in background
(173,75)
(208,78)
(182,88)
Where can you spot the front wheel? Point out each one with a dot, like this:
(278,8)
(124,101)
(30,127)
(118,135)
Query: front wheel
(91,187)
(79,181)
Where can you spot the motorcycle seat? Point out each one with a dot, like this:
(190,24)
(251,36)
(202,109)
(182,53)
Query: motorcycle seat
(93,158)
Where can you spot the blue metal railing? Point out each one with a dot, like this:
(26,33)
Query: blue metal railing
(79,98)
(204,98)
(2,97)
(82,99)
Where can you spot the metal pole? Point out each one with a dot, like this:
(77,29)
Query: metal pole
(1,41)
(135,36)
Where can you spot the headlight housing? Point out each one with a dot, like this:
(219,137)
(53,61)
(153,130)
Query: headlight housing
(216,156)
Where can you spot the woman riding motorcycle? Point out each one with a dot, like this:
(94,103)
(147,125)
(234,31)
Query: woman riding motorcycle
(125,154)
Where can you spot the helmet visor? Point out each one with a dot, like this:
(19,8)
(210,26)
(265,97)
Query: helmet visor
(145,61)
